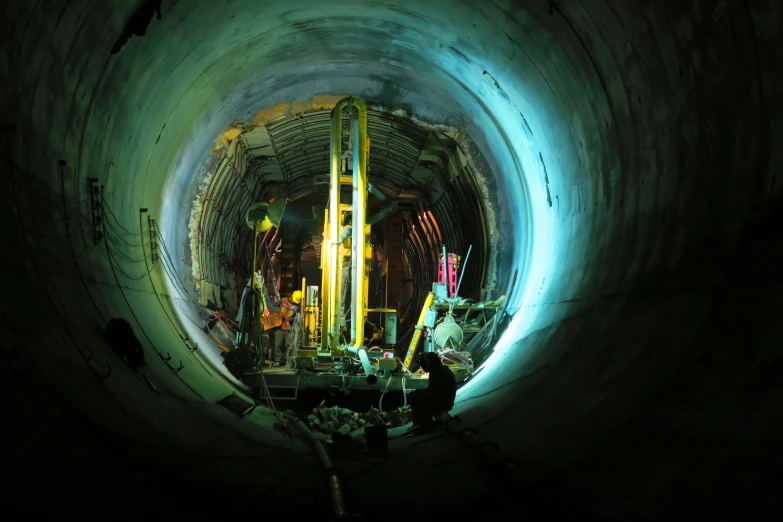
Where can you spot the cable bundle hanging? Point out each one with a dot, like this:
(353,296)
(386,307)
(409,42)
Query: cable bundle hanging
(108,229)
(294,340)
(124,254)
(119,224)
(173,274)
(451,357)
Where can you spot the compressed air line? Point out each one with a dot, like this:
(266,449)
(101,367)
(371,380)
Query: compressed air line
(335,486)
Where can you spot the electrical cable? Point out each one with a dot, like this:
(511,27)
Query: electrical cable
(126,256)
(143,331)
(454,358)
(201,313)
(119,224)
(37,271)
(178,279)
(179,295)
(143,244)
(294,339)
(82,216)
(85,200)
(268,396)
(380,401)
(121,238)
(128,276)
(184,338)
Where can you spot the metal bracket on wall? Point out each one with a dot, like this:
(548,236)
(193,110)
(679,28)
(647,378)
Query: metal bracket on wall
(166,360)
(96,209)
(153,230)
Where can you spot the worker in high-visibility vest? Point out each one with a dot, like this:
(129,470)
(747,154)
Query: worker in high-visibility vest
(288,308)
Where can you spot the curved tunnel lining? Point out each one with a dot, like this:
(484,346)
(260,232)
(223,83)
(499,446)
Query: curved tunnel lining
(584,73)
(429,163)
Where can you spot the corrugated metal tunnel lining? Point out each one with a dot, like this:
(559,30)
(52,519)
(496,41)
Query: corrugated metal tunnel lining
(636,379)
(426,170)
(302,147)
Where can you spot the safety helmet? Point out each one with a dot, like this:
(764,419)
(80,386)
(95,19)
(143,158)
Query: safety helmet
(297,297)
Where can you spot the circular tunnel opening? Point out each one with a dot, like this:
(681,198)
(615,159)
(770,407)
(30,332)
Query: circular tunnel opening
(428,191)
(622,158)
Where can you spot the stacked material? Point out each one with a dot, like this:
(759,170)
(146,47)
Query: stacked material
(333,419)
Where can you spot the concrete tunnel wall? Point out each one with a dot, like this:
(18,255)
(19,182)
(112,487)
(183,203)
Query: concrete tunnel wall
(635,142)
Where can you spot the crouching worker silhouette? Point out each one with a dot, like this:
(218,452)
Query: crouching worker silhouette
(439,395)
(121,338)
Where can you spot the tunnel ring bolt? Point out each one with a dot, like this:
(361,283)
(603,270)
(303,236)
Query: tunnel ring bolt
(108,373)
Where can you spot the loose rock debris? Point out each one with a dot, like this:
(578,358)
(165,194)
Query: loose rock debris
(333,419)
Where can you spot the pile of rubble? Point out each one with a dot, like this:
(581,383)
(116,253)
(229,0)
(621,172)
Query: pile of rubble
(333,419)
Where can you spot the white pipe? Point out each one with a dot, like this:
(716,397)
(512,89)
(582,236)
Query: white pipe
(365,360)
(355,250)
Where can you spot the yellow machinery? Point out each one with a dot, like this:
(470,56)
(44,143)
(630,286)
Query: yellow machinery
(344,248)
(419,330)
(346,251)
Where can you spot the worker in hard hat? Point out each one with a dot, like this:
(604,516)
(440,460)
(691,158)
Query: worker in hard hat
(288,308)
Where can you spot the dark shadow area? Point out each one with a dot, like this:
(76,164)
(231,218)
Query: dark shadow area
(138,23)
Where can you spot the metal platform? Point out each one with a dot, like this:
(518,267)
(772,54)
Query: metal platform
(291,382)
